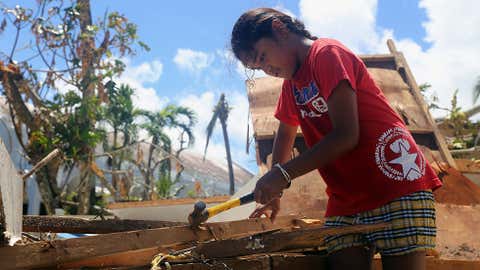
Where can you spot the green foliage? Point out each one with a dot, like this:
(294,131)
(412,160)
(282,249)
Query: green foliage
(156,124)
(164,185)
(191,193)
(171,116)
(71,209)
(64,77)
(430,99)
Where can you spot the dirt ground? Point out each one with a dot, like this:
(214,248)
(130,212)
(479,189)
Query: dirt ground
(458,234)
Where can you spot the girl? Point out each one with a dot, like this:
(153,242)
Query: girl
(373,169)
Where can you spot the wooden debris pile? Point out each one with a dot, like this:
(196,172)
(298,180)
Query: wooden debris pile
(206,245)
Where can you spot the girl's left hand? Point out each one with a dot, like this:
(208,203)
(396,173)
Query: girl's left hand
(270,186)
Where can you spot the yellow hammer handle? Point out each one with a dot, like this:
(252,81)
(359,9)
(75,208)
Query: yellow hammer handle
(216,209)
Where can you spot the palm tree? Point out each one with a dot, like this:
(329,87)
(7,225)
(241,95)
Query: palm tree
(221,112)
(120,114)
(170,117)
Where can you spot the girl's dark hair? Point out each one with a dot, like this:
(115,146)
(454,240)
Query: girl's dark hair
(257,23)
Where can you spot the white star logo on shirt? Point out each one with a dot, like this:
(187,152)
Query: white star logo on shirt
(407,160)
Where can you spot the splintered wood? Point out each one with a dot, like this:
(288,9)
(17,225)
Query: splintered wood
(11,188)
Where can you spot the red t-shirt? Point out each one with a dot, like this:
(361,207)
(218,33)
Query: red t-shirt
(386,163)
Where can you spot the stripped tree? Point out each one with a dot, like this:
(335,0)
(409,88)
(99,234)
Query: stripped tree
(221,112)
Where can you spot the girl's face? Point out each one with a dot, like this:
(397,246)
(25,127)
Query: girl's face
(273,57)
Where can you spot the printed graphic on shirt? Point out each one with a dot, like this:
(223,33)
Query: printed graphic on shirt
(397,158)
(310,103)
(306,94)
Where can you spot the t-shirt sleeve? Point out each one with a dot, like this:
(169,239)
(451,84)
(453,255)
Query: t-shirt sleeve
(332,65)
(286,110)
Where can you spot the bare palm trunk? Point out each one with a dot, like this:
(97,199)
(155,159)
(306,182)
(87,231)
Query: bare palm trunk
(229,158)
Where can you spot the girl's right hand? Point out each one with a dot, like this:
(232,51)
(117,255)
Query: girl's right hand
(270,209)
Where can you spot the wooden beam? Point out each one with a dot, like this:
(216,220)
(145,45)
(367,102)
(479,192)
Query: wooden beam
(404,70)
(144,256)
(48,254)
(57,224)
(278,241)
(123,259)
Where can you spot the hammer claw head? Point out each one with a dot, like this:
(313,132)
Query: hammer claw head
(198,215)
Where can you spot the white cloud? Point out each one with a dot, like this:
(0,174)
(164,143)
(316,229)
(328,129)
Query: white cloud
(136,77)
(192,61)
(351,21)
(451,61)
(145,72)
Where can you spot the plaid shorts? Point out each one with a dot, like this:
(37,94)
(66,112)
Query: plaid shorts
(412,219)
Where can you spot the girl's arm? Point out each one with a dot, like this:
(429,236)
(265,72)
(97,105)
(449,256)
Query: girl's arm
(343,112)
(282,145)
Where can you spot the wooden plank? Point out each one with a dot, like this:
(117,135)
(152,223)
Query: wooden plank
(11,186)
(410,80)
(58,224)
(308,222)
(122,259)
(48,254)
(272,242)
(273,261)
(376,57)
(468,166)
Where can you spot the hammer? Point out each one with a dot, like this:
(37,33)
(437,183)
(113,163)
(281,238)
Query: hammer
(201,213)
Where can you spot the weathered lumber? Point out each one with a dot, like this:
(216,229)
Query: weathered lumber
(404,69)
(48,254)
(277,241)
(137,257)
(64,224)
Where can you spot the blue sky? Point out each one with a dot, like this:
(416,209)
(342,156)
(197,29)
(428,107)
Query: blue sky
(189,63)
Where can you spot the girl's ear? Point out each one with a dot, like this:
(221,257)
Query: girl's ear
(279,29)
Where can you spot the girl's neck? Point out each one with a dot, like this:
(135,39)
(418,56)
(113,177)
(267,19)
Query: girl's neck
(303,47)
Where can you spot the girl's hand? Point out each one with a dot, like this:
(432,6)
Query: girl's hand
(270,186)
(270,209)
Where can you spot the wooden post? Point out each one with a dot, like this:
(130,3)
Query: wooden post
(404,70)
